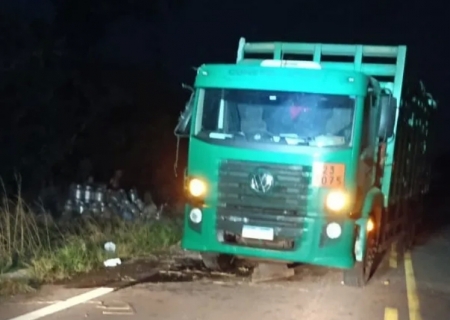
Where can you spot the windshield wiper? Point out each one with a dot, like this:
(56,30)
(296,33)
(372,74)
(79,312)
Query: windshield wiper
(294,139)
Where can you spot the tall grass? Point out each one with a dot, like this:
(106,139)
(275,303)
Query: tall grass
(21,236)
(53,251)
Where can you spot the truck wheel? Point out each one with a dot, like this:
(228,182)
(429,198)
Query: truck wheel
(362,271)
(217,262)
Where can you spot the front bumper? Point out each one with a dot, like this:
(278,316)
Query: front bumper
(311,246)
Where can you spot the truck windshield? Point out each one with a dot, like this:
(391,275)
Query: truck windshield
(295,118)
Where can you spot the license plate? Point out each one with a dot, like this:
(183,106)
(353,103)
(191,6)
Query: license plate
(259,233)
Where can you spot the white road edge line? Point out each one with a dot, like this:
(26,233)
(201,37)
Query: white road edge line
(66,304)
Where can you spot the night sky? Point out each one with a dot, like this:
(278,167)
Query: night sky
(208,31)
(201,31)
(189,33)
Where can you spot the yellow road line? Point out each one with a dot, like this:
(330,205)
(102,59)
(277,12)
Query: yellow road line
(393,256)
(411,289)
(390,314)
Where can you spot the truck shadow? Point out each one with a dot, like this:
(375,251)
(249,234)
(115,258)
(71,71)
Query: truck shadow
(435,222)
(436,215)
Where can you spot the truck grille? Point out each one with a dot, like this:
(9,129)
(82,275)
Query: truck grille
(282,208)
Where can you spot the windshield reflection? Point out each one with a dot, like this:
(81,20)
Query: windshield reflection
(276,117)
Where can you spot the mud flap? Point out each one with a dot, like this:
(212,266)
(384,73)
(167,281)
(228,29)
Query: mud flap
(358,276)
(271,271)
(361,237)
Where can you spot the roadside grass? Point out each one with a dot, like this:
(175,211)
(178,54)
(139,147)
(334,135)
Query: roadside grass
(57,251)
(11,287)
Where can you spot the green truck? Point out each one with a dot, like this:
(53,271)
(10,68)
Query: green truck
(306,153)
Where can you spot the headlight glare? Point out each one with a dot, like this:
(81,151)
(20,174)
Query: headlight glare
(197,187)
(336,200)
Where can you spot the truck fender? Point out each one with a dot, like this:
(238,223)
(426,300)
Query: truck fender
(374,199)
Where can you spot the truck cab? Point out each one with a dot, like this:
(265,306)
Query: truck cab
(290,160)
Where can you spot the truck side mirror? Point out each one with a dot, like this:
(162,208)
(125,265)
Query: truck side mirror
(388,105)
(184,122)
(183,126)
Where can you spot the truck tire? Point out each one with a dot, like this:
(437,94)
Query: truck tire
(217,262)
(360,274)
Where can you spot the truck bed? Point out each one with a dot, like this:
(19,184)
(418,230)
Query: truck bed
(411,168)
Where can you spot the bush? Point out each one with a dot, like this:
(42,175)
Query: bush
(55,251)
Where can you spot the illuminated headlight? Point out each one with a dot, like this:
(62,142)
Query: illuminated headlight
(336,200)
(197,187)
(333,230)
(195,215)
(370,225)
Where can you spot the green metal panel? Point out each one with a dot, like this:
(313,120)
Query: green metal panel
(287,79)
(318,51)
(384,70)
(390,148)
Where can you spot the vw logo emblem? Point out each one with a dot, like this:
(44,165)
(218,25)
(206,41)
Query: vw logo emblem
(261,181)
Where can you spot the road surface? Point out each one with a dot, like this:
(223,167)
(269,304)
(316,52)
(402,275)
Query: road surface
(416,287)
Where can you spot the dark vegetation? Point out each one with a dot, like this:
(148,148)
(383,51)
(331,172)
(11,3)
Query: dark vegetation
(69,110)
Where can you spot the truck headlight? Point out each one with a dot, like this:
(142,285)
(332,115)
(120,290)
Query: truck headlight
(336,200)
(195,215)
(197,187)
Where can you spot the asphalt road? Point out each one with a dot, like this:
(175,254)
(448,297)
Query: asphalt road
(414,287)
